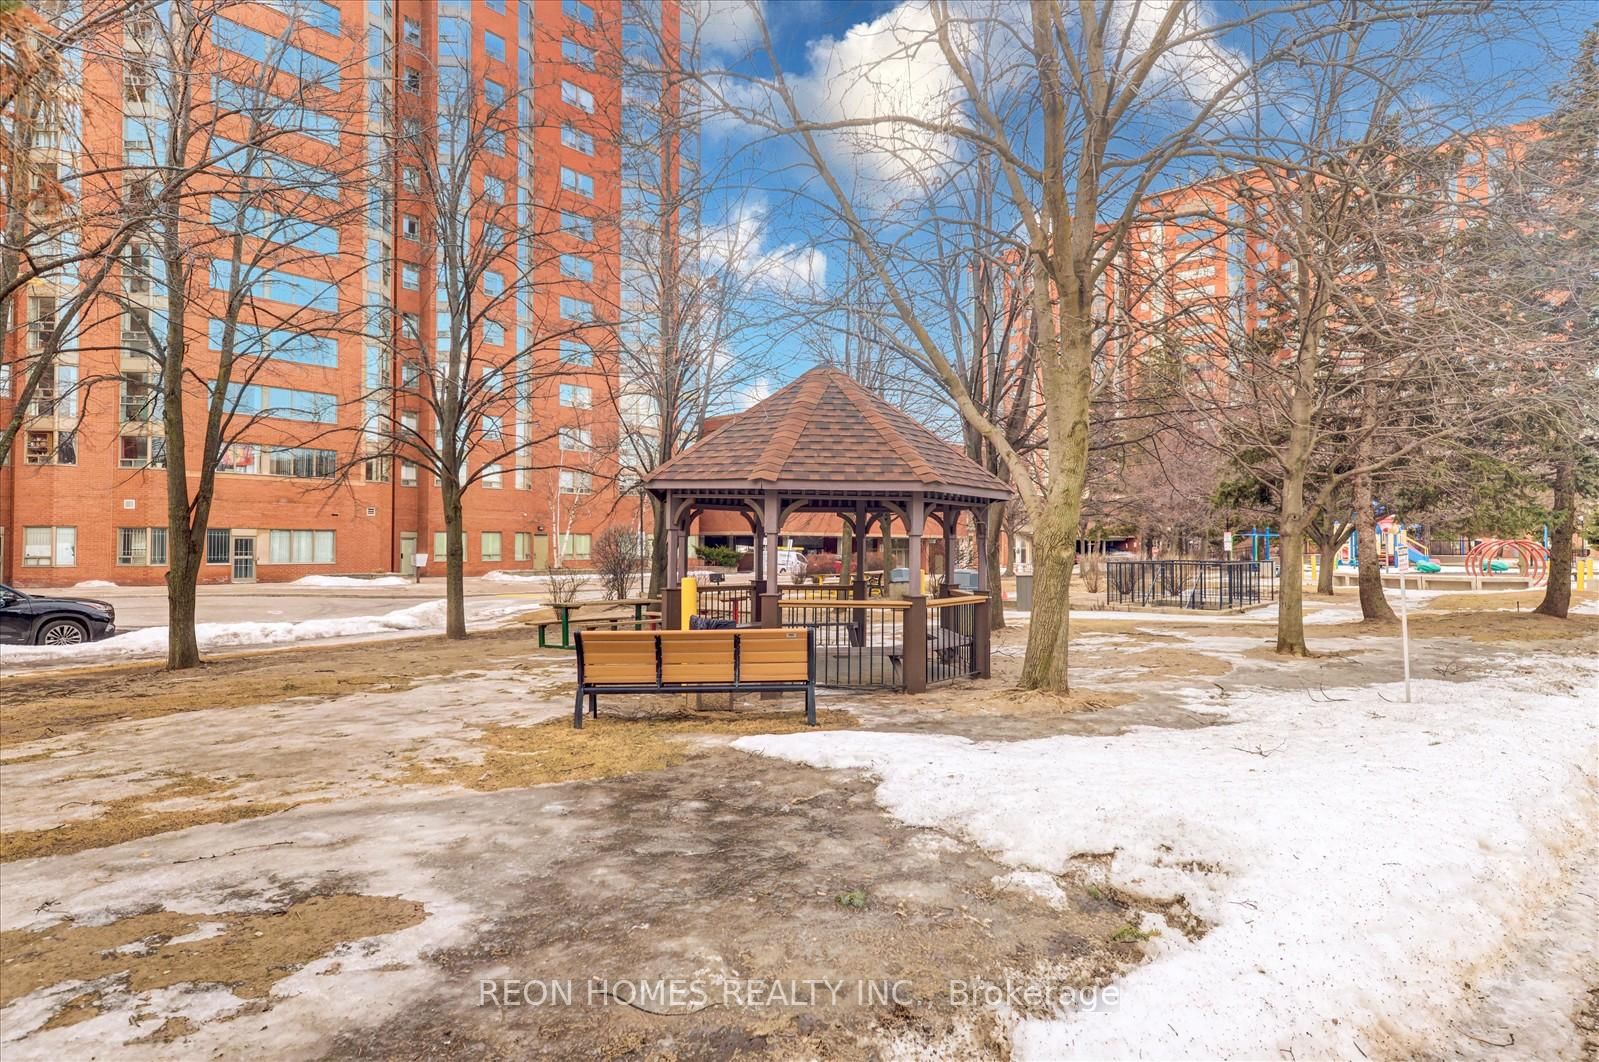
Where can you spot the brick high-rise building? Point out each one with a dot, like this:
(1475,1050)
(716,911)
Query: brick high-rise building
(345,325)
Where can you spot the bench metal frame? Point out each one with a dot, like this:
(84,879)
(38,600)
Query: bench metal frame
(738,685)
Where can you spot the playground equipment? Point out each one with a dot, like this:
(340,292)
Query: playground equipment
(1486,557)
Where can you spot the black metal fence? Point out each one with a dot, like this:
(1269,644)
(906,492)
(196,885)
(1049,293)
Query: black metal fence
(858,644)
(736,603)
(1197,584)
(952,639)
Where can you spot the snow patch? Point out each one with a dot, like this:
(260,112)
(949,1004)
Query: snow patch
(1358,859)
(152,641)
(93,584)
(349,581)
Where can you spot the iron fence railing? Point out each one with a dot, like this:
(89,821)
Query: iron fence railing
(1197,584)
(859,644)
(736,603)
(952,638)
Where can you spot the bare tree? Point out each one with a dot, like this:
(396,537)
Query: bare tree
(234,264)
(461,413)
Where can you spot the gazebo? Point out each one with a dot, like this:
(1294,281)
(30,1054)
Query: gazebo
(825,443)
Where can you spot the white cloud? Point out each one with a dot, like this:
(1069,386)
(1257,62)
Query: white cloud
(739,244)
(728,28)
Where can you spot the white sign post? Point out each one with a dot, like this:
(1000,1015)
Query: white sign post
(418,562)
(1402,548)
(1227,544)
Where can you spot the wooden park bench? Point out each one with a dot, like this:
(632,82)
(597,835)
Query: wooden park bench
(753,660)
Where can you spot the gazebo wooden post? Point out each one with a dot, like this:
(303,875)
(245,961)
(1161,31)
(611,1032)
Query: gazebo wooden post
(672,590)
(949,521)
(770,593)
(982,637)
(862,525)
(915,647)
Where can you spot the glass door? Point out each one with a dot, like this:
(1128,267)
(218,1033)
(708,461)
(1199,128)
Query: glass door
(244,559)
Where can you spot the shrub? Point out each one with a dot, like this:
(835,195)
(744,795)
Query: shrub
(822,564)
(1092,570)
(615,556)
(717,556)
(564,585)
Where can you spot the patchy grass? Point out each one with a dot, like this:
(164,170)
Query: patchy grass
(247,953)
(607,747)
(130,818)
(1490,627)
(854,899)
(1510,601)
(33,707)
(1131,934)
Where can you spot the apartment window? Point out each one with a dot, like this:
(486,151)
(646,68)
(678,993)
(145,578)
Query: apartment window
(493,283)
(489,545)
(410,277)
(577,96)
(141,402)
(493,142)
(575,181)
(5,381)
(407,474)
(493,478)
(142,451)
(576,440)
(441,547)
(523,545)
(494,46)
(411,126)
(575,482)
(577,267)
(300,547)
(136,270)
(410,178)
(576,309)
(411,327)
(576,396)
(493,427)
(49,547)
(411,32)
(377,469)
(138,82)
(50,448)
(41,321)
(496,6)
(301,462)
(412,81)
(138,546)
(577,225)
(577,54)
(577,139)
(493,189)
(578,11)
(493,333)
(493,92)
(576,352)
(574,547)
(411,227)
(219,545)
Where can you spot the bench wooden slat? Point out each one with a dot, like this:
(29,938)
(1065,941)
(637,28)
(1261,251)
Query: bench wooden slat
(707,661)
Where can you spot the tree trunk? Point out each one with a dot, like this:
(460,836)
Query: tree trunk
(1054,542)
(1374,605)
(657,549)
(1563,526)
(455,555)
(1322,531)
(184,557)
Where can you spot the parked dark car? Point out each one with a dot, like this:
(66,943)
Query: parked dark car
(26,619)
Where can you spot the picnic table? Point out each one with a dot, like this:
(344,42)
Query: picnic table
(646,612)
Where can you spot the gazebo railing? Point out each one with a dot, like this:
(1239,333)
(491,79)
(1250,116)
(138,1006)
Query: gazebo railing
(859,644)
(735,603)
(952,643)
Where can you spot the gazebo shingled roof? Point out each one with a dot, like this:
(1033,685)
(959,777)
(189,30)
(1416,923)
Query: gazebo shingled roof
(824,429)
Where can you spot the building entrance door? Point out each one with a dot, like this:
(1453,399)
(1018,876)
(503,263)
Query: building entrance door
(541,552)
(408,553)
(244,559)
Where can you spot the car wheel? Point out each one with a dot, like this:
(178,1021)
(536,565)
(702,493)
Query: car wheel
(62,632)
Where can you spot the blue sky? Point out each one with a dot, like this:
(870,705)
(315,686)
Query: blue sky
(1512,72)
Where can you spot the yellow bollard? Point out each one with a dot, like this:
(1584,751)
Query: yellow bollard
(690,599)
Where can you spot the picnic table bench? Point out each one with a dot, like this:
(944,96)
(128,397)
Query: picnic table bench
(753,660)
(641,619)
